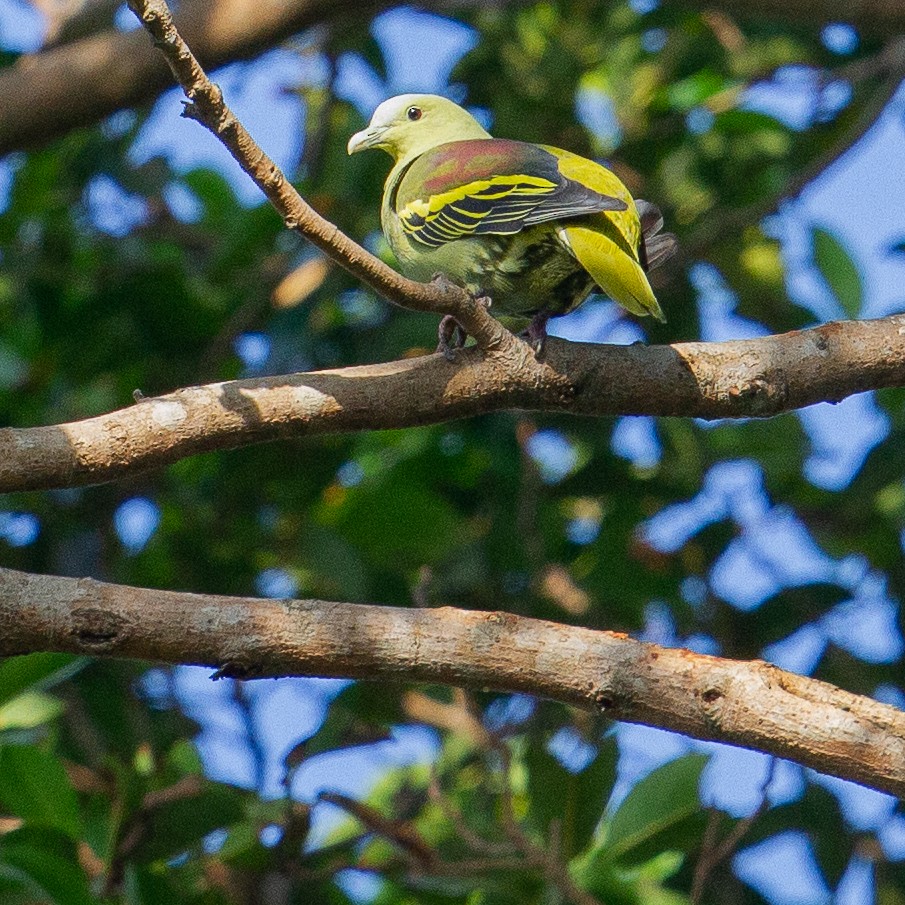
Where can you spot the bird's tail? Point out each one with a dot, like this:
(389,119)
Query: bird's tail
(656,247)
(616,272)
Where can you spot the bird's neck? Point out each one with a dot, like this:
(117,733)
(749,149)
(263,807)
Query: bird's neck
(460,131)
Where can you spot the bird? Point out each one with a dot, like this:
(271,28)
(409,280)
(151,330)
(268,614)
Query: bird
(530,229)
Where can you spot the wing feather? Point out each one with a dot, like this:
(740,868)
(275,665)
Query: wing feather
(501,203)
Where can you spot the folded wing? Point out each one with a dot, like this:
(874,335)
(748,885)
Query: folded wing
(490,186)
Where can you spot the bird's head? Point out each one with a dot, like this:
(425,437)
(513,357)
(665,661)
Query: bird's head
(410,124)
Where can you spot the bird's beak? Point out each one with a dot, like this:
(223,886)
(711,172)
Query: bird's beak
(367,138)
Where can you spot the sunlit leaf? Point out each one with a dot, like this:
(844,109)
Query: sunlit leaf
(662,811)
(839,270)
(29,710)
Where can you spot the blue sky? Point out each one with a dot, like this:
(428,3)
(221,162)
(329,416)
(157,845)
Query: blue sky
(859,199)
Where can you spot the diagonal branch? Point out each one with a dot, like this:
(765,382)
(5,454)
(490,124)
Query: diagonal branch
(743,379)
(888,66)
(755,378)
(206,105)
(752,704)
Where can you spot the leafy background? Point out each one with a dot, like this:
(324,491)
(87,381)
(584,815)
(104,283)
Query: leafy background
(134,255)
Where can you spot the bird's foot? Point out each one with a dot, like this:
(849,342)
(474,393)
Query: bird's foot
(536,334)
(451,336)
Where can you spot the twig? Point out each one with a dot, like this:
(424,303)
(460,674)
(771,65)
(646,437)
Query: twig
(714,852)
(554,868)
(135,828)
(401,833)
(243,702)
(77,84)
(891,61)
(456,818)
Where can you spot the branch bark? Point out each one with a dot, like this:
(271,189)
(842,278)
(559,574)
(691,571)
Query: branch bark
(206,105)
(752,704)
(744,379)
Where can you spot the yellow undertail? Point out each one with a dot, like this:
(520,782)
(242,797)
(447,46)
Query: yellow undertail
(617,274)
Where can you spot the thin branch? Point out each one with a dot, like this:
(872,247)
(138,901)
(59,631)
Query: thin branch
(402,834)
(243,702)
(52,92)
(752,704)
(715,851)
(207,106)
(80,83)
(870,16)
(456,819)
(744,379)
(888,63)
(554,869)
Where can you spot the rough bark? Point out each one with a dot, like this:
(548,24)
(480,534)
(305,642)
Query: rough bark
(750,378)
(752,704)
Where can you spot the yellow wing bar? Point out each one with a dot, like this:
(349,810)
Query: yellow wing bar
(500,204)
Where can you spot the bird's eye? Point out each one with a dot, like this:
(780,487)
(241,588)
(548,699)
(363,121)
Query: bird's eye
(413,113)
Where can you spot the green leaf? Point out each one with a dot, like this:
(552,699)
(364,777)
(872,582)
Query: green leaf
(690,92)
(48,877)
(34,786)
(407,524)
(183,823)
(36,672)
(839,270)
(576,800)
(29,710)
(662,812)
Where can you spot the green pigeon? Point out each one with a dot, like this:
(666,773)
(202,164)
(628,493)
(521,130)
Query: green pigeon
(533,228)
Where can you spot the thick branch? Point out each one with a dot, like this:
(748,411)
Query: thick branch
(871,16)
(751,704)
(50,93)
(749,378)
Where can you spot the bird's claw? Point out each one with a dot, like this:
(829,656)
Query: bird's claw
(451,336)
(536,334)
(443,282)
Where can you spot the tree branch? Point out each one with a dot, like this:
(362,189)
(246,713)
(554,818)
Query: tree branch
(49,93)
(870,16)
(754,704)
(888,67)
(743,379)
(206,105)
(753,378)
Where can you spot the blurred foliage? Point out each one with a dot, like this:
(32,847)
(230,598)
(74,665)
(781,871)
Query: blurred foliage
(117,276)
